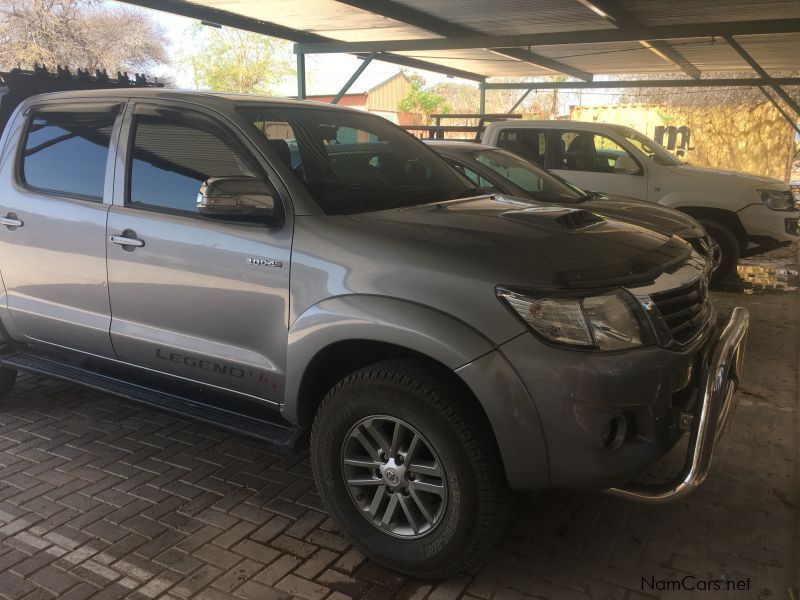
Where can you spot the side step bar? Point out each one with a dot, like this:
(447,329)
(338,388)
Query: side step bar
(281,435)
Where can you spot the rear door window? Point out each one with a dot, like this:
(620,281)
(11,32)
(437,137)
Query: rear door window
(527,143)
(67,152)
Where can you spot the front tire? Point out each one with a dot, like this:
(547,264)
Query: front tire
(7,379)
(729,248)
(409,469)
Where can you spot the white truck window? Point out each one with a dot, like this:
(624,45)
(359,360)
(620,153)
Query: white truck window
(587,151)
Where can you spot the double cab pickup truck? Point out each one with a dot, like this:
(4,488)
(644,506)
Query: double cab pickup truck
(744,214)
(304,273)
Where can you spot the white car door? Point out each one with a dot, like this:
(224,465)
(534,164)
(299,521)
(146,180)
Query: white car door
(595,162)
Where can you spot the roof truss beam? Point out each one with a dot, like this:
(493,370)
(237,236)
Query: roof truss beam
(411,16)
(780,110)
(763,74)
(230,19)
(352,79)
(619,16)
(599,36)
(639,83)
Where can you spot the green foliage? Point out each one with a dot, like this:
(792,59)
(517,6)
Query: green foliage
(231,60)
(422,100)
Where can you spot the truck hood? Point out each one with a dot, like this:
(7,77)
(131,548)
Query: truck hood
(512,242)
(728,179)
(645,214)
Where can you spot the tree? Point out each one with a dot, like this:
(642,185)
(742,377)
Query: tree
(422,100)
(232,60)
(80,34)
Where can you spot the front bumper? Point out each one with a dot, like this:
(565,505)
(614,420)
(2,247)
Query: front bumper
(718,386)
(760,222)
(606,416)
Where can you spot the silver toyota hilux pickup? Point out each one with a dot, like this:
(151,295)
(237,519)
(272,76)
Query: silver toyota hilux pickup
(284,268)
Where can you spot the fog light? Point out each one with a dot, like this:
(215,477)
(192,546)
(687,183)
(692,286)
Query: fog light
(792,226)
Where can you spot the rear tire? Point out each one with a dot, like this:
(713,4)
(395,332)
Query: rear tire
(7,379)
(451,499)
(729,249)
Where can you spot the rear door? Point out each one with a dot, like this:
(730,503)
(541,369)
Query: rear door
(200,299)
(529,143)
(56,192)
(589,160)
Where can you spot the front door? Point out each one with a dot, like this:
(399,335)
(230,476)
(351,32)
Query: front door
(589,160)
(197,298)
(53,227)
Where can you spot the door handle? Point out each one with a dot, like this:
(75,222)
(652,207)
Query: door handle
(127,240)
(11,221)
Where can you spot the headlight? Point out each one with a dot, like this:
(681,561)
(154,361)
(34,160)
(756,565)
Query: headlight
(605,322)
(776,199)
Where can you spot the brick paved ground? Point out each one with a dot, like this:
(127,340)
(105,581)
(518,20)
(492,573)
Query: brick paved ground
(101,498)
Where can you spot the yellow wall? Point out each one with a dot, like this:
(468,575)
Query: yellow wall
(748,138)
(387,95)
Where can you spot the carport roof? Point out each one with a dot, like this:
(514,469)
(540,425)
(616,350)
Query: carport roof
(471,38)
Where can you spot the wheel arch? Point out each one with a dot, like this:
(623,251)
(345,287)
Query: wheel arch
(726,218)
(344,334)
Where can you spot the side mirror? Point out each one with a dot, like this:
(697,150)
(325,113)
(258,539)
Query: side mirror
(626,165)
(237,199)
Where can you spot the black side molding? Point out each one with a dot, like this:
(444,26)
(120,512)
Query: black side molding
(281,434)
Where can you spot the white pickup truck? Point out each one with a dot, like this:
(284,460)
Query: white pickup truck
(742,213)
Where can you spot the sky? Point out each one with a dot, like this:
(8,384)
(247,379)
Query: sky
(327,73)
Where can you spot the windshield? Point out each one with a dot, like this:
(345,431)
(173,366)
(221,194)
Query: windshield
(652,150)
(537,182)
(352,162)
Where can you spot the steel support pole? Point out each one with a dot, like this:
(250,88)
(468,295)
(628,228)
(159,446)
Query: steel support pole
(482,105)
(301,76)
(356,74)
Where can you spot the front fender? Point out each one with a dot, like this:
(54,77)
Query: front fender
(703,199)
(376,318)
(453,343)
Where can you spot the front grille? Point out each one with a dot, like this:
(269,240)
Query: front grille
(684,310)
(700,246)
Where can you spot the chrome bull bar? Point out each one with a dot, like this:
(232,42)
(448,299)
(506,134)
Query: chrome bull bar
(720,379)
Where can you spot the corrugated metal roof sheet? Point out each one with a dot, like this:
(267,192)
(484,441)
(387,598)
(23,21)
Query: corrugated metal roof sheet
(340,21)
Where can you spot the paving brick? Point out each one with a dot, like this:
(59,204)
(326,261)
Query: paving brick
(297,586)
(53,579)
(316,563)
(14,586)
(189,586)
(270,529)
(293,546)
(215,555)
(178,561)
(277,570)
(255,591)
(234,534)
(259,552)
